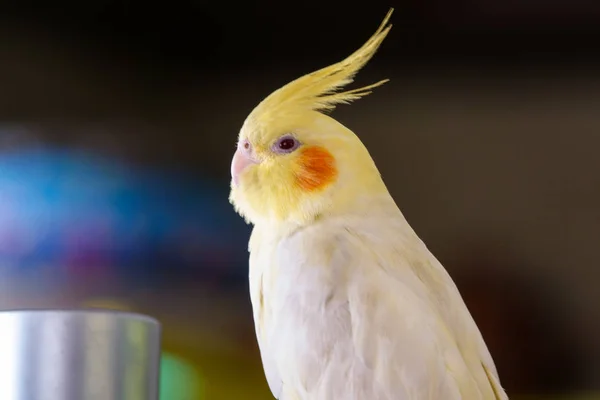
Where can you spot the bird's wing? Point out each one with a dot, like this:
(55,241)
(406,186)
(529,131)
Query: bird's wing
(397,327)
(457,317)
(418,291)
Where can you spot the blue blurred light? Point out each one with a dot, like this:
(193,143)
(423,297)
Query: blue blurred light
(76,209)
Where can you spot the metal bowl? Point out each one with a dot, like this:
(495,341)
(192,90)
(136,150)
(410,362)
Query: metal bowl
(78,355)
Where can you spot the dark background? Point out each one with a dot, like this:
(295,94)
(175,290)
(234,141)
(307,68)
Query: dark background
(487,135)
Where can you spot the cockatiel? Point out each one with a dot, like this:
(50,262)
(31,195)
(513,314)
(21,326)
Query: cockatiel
(348,302)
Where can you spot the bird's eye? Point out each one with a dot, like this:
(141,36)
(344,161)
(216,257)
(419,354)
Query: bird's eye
(246,145)
(286,144)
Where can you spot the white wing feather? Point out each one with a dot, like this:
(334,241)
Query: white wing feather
(358,308)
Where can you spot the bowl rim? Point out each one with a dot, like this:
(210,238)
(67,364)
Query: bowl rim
(81,311)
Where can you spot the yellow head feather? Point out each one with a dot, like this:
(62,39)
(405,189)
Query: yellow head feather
(318,91)
(331,166)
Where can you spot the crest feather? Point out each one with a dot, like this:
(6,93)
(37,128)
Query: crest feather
(319,90)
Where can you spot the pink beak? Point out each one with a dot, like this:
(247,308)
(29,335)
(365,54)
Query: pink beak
(240,162)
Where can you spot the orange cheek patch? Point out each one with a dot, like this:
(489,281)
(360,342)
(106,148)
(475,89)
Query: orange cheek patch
(317,169)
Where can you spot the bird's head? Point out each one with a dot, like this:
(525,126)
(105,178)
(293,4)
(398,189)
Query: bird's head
(293,163)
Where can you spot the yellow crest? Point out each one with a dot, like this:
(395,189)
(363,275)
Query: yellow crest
(319,91)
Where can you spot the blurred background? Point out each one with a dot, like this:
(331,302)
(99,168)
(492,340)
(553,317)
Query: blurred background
(118,120)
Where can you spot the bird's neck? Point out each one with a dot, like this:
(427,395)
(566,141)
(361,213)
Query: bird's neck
(355,206)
